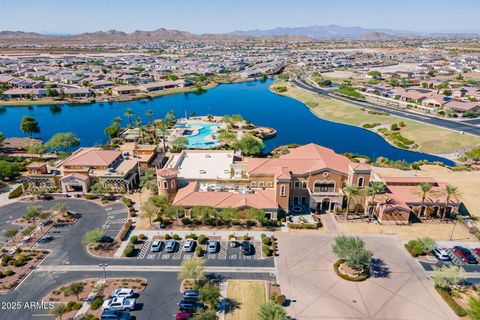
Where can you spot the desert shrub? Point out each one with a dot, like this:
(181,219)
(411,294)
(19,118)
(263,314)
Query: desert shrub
(198,251)
(8,272)
(251,223)
(186,221)
(96,303)
(267,241)
(175,237)
(280,300)
(129,249)
(128,202)
(191,236)
(246,237)
(361,277)
(133,239)
(91,197)
(266,250)
(168,237)
(202,239)
(15,193)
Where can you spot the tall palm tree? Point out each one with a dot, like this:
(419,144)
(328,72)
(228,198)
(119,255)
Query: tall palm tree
(162,126)
(129,114)
(375,188)
(149,114)
(271,310)
(425,189)
(450,191)
(138,124)
(351,192)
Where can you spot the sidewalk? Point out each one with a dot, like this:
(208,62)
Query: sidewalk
(86,306)
(182,233)
(329,223)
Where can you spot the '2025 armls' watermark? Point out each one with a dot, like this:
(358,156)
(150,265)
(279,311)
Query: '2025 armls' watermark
(28,305)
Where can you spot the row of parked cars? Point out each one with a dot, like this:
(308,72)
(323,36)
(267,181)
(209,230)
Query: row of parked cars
(119,306)
(466,255)
(188,305)
(190,244)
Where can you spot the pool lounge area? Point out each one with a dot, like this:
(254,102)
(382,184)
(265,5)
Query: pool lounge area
(200,134)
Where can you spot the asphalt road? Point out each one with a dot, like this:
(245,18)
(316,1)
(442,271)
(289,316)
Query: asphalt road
(440,122)
(158,300)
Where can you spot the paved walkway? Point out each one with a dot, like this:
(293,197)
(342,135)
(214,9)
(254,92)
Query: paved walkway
(139,268)
(329,222)
(85,305)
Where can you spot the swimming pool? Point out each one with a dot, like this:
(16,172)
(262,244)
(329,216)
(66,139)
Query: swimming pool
(202,136)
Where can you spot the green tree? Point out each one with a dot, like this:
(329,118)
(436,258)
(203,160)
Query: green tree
(450,191)
(36,148)
(98,189)
(75,289)
(424,189)
(228,138)
(129,114)
(192,269)
(473,309)
(473,155)
(375,74)
(174,212)
(113,130)
(353,251)
(204,314)
(32,212)
(210,294)
(29,125)
(154,207)
(271,311)
(58,311)
(10,233)
(447,276)
(63,141)
(162,127)
(117,120)
(2,138)
(60,207)
(427,243)
(170,117)
(203,213)
(250,145)
(178,144)
(375,188)
(351,193)
(93,236)
(10,170)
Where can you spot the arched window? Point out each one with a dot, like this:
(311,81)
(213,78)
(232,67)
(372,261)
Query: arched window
(173,184)
(361,182)
(324,186)
(165,184)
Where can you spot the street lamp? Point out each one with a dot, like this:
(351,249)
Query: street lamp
(104,266)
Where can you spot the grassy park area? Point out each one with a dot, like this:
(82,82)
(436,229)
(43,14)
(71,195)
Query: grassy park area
(249,295)
(430,139)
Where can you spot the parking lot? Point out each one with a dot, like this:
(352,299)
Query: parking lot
(455,260)
(224,252)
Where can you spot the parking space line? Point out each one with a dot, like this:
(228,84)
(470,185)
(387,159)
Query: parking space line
(144,249)
(257,247)
(222,254)
(178,253)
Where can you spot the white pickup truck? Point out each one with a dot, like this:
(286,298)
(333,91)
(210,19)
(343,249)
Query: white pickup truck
(120,304)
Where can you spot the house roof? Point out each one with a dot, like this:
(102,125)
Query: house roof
(91,157)
(190,197)
(75,176)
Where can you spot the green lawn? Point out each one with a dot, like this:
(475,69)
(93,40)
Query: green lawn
(249,295)
(430,139)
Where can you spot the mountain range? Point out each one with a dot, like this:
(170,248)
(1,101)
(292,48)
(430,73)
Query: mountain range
(289,33)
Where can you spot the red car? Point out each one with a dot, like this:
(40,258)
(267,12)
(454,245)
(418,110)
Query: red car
(465,255)
(183,316)
(477,251)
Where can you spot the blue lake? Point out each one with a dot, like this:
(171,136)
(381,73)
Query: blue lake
(293,120)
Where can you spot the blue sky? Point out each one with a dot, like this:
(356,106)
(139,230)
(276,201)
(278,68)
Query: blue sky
(217,16)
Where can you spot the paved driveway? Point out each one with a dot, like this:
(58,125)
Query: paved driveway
(398,288)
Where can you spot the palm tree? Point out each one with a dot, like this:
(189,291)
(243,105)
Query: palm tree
(210,294)
(138,123)
(129,114)
(375,188)
(58,311)
(117,120)
(450,192)
(149,114)
(351,192)
(271,311)
(162,126)
(424,188)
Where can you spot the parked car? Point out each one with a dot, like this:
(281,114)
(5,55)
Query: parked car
(120,304)
(190,294)
(115,315)
(441,254)
(477,251)
(465,255)
(171,246)
(212,246)
(157,246)
(189,245)
(183,316)
(122,292)
(246,248)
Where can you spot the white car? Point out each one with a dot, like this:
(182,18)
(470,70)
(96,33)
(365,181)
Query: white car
(122,292)
(120,304)
(189,245)
(441,254)
(157,246)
